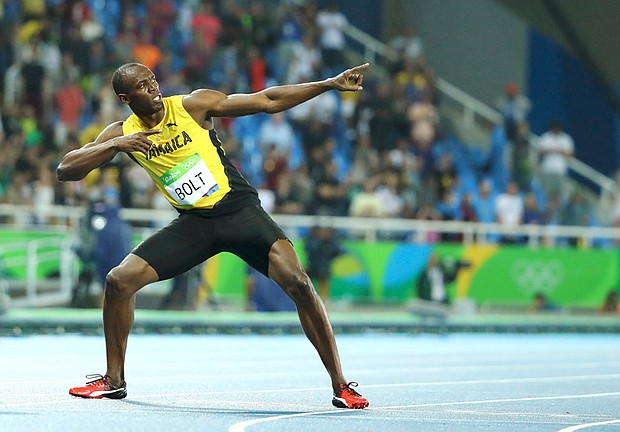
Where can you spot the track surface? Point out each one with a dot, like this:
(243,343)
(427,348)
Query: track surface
(260,383)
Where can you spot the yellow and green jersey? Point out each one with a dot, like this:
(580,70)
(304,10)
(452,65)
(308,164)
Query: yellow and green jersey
(188,163)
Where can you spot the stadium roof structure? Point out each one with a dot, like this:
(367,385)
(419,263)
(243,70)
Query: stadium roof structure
(588,29)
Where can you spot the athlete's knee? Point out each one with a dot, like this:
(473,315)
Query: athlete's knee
(300,289)
(124,280)
(119,284)
(115,284)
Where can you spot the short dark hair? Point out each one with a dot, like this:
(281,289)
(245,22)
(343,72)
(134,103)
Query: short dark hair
(119,77)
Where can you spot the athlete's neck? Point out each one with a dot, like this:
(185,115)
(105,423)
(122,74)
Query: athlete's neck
(151,120)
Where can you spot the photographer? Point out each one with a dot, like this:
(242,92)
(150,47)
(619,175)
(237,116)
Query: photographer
(322,247)
(431,285)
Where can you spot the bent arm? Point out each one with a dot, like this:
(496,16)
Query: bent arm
(205,103)
(76,164)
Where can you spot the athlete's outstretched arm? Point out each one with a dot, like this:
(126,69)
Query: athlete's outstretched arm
(210,103)
(76,164)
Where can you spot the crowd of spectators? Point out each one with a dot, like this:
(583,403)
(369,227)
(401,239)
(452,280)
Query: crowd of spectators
(383,152)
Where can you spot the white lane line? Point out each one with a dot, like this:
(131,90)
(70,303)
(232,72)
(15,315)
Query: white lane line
(25,404)
(143,396)
(7,384)
(485,401)
(502,380)
(240,427)
(407,384)
(587,425)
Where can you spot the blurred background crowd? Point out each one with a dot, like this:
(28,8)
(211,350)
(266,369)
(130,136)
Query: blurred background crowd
(388,151)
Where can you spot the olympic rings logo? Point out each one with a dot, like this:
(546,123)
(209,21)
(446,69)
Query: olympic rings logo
(538,275)
(185,165)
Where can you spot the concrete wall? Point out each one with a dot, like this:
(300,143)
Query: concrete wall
(477,45)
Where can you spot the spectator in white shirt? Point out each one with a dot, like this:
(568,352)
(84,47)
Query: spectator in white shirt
(389,193)
(556,148)
(509,210)
(408,44)
(332,24)
(276,131)
(305,63)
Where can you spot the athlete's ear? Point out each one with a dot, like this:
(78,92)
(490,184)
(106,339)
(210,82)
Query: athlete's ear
(123,98)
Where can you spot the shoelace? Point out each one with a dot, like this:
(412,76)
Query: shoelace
(95,378)
(347,387)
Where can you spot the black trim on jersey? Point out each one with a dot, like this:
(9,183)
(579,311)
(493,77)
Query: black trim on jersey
(133,158)
(241,192)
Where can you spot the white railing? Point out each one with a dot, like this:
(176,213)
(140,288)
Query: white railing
(369,229)
(424,231)
(607,185)
(373,48)
(34,292)
(30,254)
(417,231)
(471,106)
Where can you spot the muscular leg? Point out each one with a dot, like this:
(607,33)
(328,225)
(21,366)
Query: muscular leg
(286,270)
(121,285)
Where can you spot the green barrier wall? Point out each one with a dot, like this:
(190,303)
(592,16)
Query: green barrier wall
(10,237)
(387,271)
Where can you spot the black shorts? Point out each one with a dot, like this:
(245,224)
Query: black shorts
(189,240)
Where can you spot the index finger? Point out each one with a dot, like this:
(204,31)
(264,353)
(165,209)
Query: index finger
(360,67)
(152,132)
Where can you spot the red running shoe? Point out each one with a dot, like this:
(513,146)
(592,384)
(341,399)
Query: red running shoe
(346,397)
(99,388)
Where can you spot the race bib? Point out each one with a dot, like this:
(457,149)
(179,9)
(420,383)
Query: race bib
(189,181)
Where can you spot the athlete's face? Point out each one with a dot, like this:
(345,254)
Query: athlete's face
(143,95)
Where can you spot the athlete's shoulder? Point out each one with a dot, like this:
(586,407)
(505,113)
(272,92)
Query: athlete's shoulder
(116,125)
(113,130)
(174,98)
(202,100)
(200,103)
